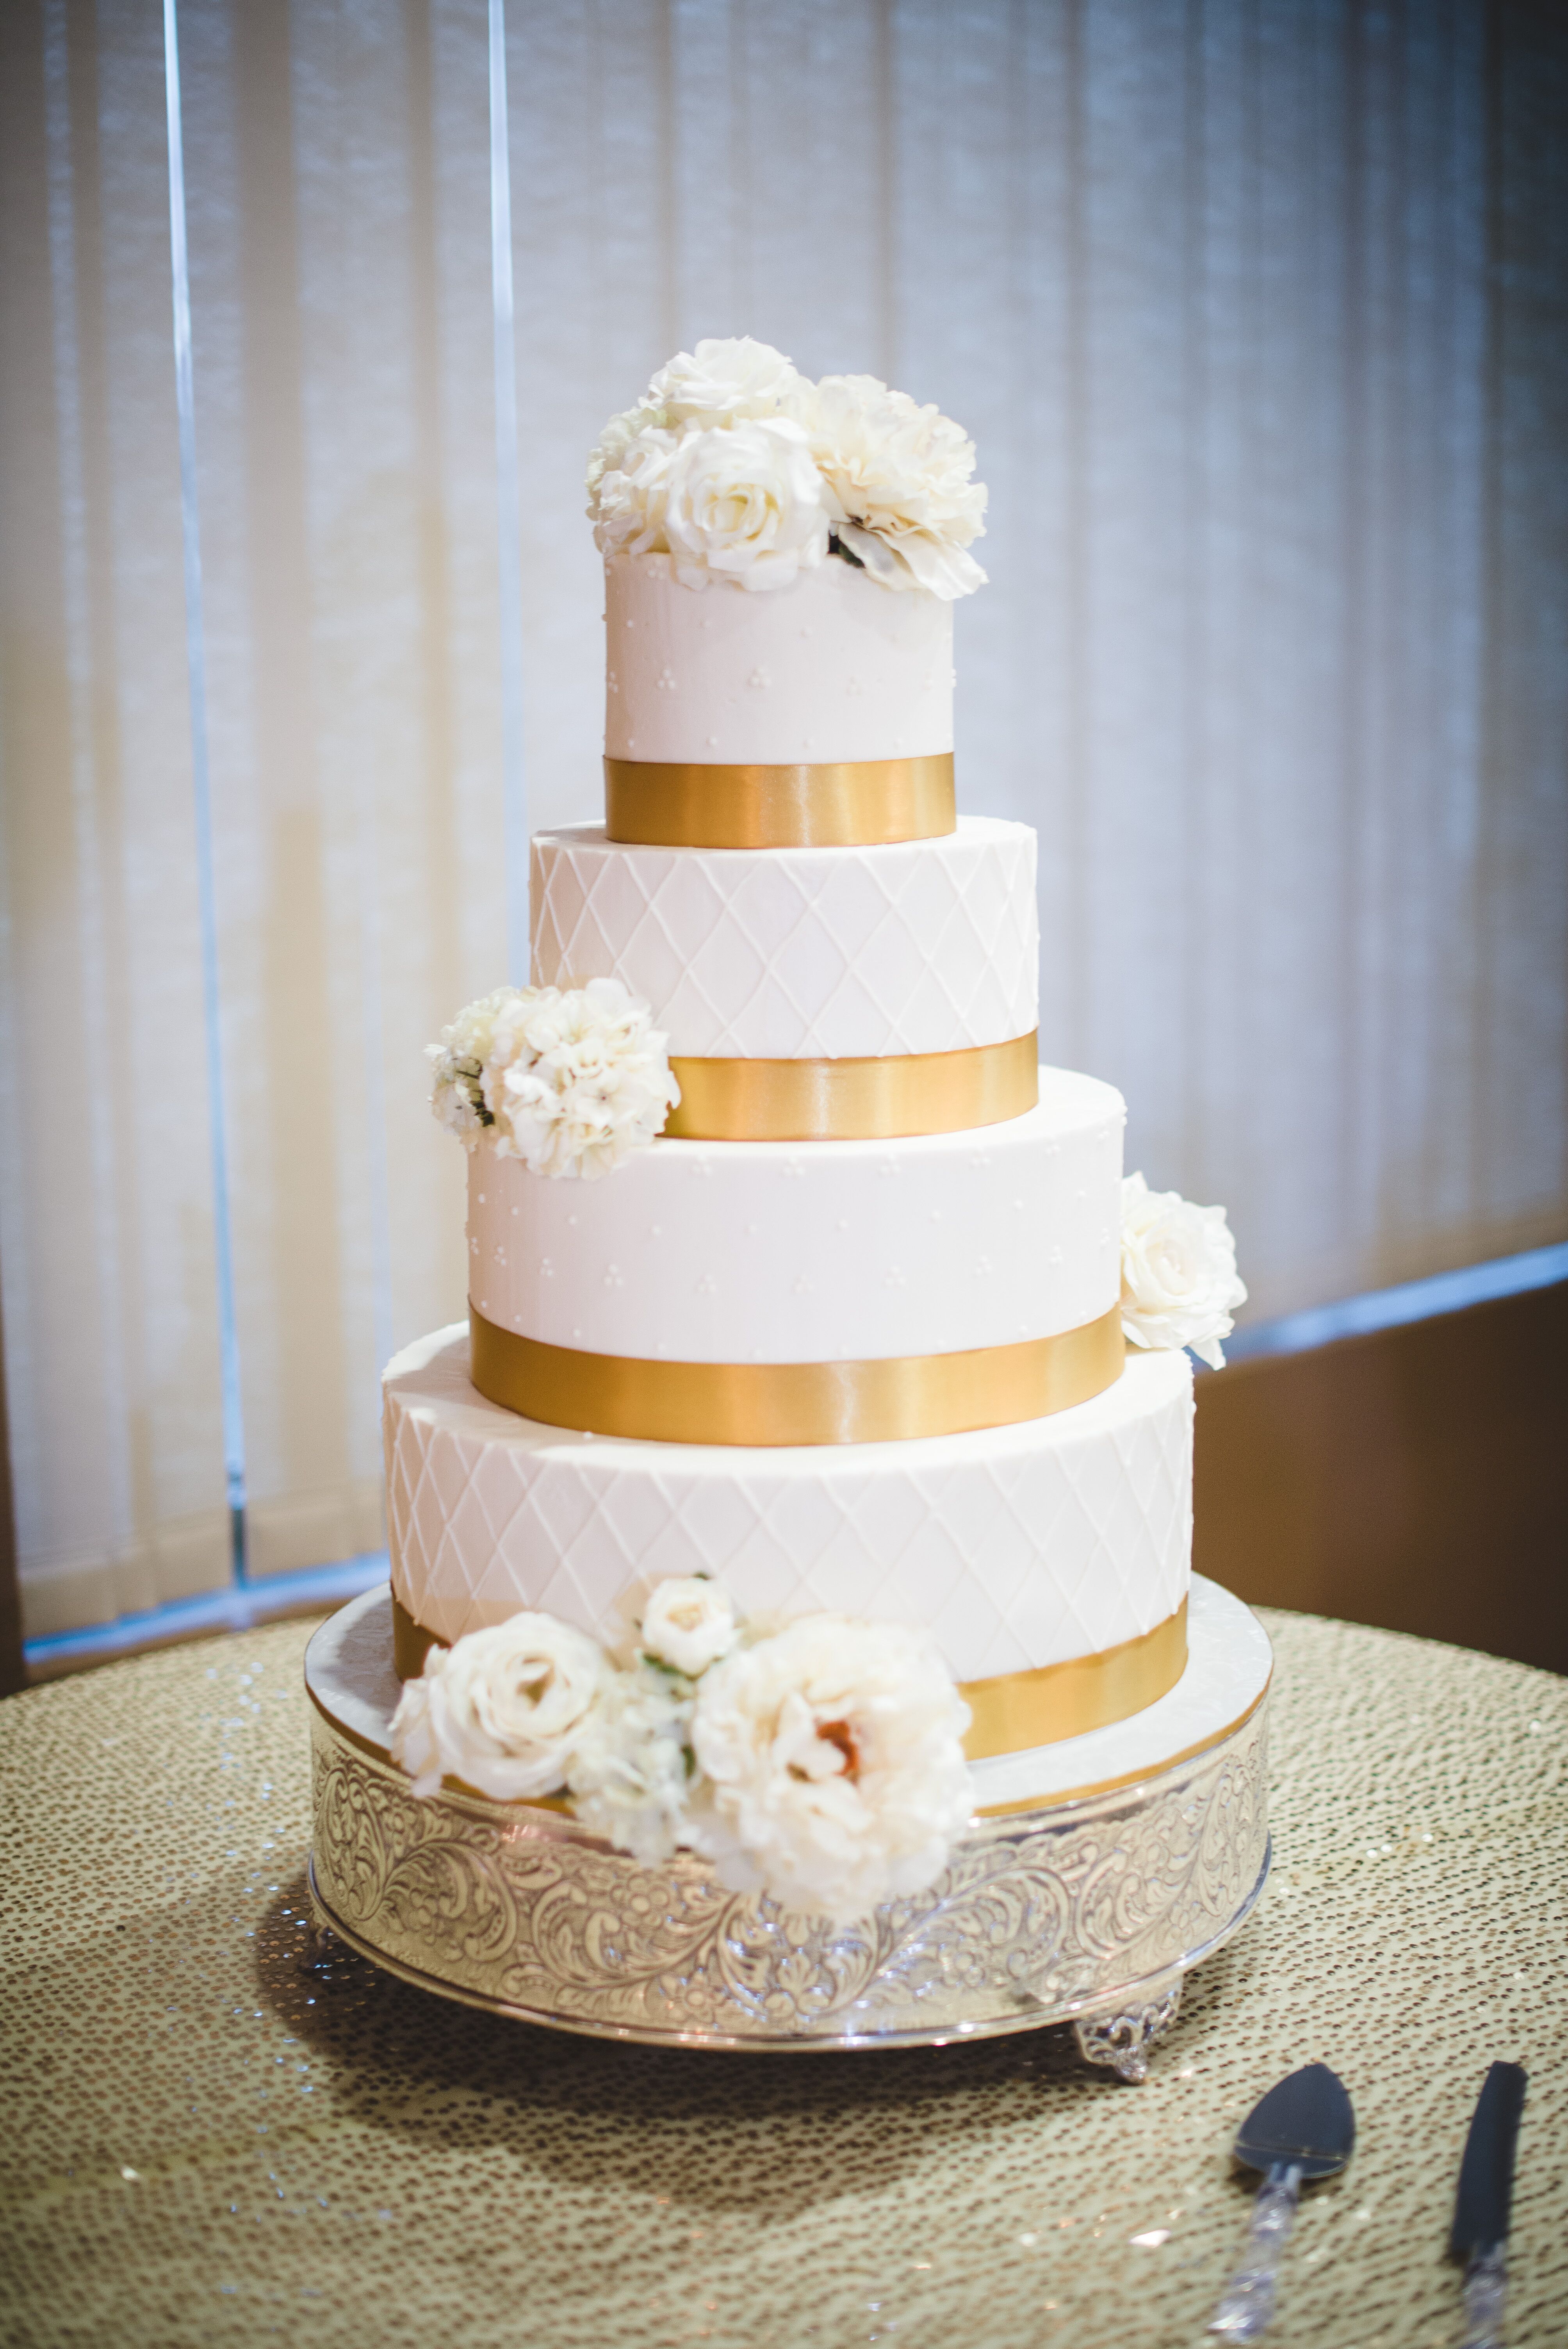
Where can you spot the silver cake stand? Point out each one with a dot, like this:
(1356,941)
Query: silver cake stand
(1096,1873)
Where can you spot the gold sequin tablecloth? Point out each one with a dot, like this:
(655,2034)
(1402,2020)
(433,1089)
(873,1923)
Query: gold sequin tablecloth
(204,2145)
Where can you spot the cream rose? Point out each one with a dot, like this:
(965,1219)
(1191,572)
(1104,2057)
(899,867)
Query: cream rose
(744,502)
(726,379)
(504,1709)
(835,1769)
(898,477)
(1178,1282)
(689,1623)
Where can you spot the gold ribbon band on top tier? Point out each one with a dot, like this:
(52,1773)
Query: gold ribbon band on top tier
(844,804)
(1009,1714)
(794,1403)
(854,1099)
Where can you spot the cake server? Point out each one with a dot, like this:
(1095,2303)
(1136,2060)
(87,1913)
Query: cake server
(1481,2212)
(1303,2129)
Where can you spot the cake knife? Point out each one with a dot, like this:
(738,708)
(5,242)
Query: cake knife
(1481,2208)
(1303,2128)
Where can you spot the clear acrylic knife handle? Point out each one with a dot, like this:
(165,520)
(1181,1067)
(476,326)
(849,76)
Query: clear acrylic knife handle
(1486,2287)
(1249,2299)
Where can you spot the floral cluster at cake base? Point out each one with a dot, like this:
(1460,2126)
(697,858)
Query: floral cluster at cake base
(821,1762)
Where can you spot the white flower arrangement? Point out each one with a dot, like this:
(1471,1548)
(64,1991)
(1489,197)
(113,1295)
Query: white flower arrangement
(1179,1280)
(822,1763)
(571,1082)
(742,471)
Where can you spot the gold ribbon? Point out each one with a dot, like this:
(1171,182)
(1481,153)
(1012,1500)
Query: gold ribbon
(854,1099)
(794,1403)
(845,804)
(1012,1712)
(1015,1711)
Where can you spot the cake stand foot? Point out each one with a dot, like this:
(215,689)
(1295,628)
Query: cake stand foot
(1121,2041)
(320,1945)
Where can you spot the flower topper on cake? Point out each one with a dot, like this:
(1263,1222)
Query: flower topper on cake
(737,468)
(822,1763)
(1179,1281)
(569,1081)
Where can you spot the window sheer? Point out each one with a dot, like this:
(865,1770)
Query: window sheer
(1256,312)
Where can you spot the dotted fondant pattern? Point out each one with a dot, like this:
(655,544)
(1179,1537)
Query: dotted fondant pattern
(206,2145)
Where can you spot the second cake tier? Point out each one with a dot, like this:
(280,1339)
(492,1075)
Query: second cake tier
(833,1292)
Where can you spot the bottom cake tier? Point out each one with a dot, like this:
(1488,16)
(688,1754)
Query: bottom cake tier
(1018,1547)
(1094,1873)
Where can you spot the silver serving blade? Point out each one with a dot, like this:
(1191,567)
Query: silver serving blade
(1303,2128)
(1483,2202)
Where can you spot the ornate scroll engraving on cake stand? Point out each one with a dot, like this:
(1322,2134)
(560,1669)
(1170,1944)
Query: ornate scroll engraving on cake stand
(1086,1911)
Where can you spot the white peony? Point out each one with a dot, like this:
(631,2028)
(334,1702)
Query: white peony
(569,1081)
(504,1709)
(835,1766)
(631,1765)
(898,487)
(1178,1282)
(690,1623)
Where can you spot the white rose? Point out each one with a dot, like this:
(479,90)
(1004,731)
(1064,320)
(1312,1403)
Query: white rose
(898,487)
(689,1623)
(504,1709)
(1179,1283)
(744,502)
(629,1770)
(724,380)
(835,1766)
(630,494)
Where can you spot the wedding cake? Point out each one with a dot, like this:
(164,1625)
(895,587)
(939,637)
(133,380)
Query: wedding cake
(821,1430)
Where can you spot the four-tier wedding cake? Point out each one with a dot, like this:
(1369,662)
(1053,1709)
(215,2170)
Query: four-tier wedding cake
(821,1430)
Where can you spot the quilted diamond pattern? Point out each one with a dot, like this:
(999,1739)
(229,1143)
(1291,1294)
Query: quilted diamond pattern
(1018,1546)
(921,946)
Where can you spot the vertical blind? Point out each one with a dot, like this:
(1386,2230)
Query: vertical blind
(1257,311)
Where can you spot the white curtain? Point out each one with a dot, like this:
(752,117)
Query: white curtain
(1256,309)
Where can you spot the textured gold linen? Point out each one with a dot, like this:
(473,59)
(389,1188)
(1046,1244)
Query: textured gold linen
(854,1099)
(849,804)
(336,2157)
(1012,1711)
(794,1403)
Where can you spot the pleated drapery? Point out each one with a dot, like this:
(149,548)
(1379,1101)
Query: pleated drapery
(1257,311)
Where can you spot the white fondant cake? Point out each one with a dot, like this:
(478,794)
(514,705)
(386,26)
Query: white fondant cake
(809,1252)
(781,560)
(924,945)
(830,667)
(1016,1545)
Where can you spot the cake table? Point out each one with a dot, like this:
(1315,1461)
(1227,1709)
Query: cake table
(208,2148)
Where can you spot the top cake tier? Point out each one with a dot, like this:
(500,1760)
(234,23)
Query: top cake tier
(829,670)
(781,559)
(819,714)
